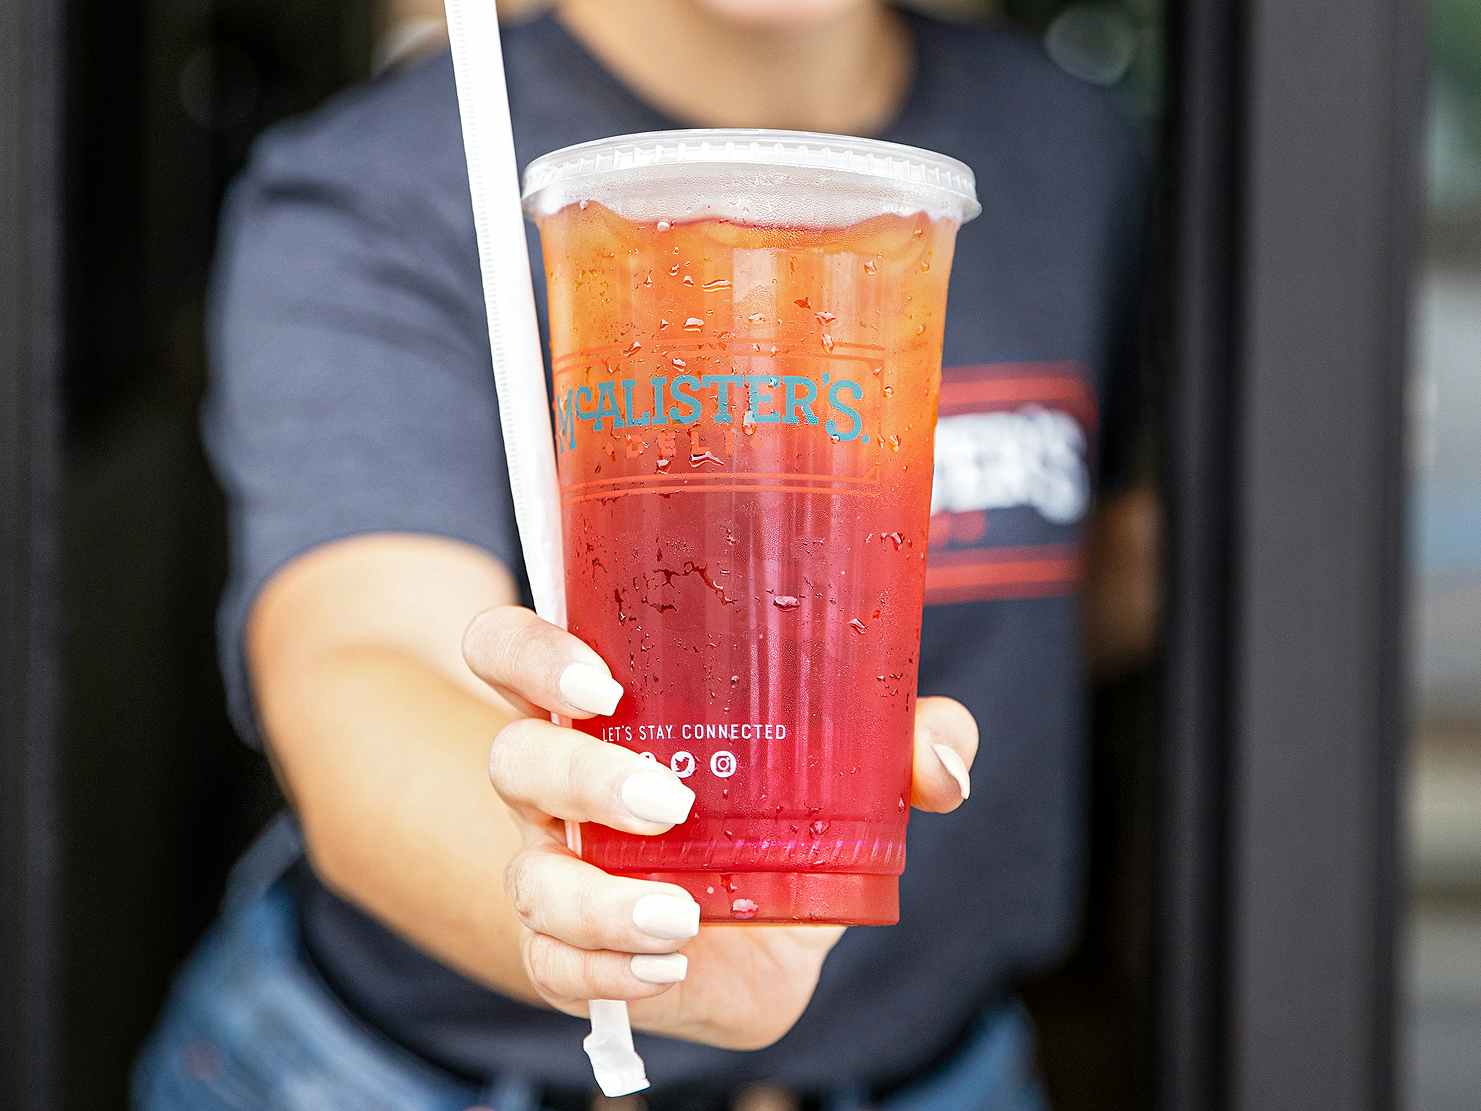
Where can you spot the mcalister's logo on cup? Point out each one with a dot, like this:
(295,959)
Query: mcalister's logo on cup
(744,400)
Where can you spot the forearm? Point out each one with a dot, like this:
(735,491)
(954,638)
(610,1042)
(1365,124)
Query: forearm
(1123,582)
(380,737)
(386,760)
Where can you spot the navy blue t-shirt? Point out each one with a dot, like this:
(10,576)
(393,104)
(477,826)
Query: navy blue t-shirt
(352,394)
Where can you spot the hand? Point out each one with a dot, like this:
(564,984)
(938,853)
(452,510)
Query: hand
(590,935)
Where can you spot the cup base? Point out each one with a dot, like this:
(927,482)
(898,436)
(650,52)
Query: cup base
(788,898)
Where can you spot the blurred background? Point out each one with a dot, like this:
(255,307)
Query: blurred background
(1443,968)
(163,102)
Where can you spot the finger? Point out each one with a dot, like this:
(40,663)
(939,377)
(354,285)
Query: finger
(555,893)
(564,974)
(549,770)
(512,649)
(945,746)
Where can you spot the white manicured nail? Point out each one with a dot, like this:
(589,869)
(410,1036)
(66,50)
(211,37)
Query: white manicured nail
(657,797)
(669,917)
(660,968)
(955,768)
(587,687)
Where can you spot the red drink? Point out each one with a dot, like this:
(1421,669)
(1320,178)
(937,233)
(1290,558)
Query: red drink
(745,417)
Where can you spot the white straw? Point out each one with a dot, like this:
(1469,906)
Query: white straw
(524,405)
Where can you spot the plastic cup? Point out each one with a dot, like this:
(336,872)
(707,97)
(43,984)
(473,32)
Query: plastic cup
(745,334)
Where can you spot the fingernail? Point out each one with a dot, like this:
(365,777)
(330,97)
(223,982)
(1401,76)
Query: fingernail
(657,797)
(668,917)
(660,968)
(587,687)
(955,768)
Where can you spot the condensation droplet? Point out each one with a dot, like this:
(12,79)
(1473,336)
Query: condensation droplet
(662,463)
(818,828)
(681,364)
(648,281)
(633,348)
(748,423)
(582,205)
(889,391)
(715,285)
(785,601)
(857,626)
(756,317)
(664,225)
(693,324)
(662,323)
(744,908)
(827,342)
(689,280)
(871,266)
(825,317)
(674,270)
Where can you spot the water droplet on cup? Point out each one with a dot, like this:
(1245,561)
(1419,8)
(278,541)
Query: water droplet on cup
(870,266)
(785,601)
(827,342)
(744,909)
(633,348)
(857,626)
(664,225)
(693,324)
(818,828)
(681,364)
(715,285)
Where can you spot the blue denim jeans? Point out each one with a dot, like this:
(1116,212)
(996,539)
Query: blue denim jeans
(249,1024)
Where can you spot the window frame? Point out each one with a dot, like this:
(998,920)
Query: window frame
(1279,882)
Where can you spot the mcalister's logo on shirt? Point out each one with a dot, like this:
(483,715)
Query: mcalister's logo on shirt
(1012,481)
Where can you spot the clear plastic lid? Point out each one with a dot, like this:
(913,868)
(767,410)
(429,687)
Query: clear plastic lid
(752,175)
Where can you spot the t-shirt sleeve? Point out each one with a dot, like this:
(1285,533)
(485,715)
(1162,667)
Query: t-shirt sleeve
(351,390)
